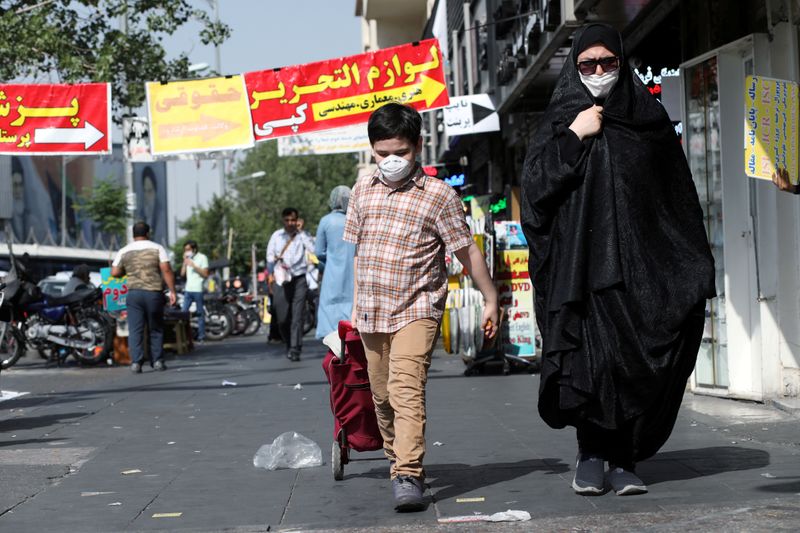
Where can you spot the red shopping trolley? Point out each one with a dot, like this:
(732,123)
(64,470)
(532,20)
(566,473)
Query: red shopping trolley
(355,424)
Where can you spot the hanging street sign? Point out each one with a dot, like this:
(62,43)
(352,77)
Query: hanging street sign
(470,114)
(198,116)
(344,91)
(55,119)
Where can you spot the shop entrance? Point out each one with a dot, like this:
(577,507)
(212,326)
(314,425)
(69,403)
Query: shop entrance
(702,137)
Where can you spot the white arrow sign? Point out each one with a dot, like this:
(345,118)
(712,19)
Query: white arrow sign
(87,135)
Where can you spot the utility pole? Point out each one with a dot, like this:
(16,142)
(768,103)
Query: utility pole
(253,271)
(130,196)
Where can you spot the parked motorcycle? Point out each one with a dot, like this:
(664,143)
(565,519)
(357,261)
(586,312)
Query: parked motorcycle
(70,325)
(219,321)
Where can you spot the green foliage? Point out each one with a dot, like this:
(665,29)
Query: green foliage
(106,205)
(85,40)
(254,211)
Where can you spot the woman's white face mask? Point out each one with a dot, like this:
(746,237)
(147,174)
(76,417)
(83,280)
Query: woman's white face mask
(600,84)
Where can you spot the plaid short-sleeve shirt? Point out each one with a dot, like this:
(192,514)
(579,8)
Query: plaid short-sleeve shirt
(401,237)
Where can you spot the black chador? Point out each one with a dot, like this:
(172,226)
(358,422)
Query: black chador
(620,263)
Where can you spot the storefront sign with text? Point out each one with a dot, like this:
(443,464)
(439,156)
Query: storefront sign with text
(341,92)
(55,119)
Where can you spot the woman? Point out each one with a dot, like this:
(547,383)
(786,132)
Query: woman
(336,262)
(620,263)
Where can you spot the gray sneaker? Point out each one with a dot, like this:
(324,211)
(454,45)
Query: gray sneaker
(159,365)
(136,368)
(589,475)
(408,494)
(625,483)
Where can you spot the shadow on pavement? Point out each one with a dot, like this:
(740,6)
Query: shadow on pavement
(452,480)
(792,486)
(30,422)
(21,442)
(701,462)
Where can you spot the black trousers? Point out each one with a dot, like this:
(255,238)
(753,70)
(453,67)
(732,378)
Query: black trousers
(290,310)
(613,445)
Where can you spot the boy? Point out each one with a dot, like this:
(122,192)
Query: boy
(402,222)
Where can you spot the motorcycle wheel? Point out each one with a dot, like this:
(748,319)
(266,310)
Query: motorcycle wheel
(12,346)
(239,319)
(253,322)
(103,333)
(218,325)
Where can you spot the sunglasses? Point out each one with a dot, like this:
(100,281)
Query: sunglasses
(589,67)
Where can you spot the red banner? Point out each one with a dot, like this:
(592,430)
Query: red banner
(55,119)
(340,92)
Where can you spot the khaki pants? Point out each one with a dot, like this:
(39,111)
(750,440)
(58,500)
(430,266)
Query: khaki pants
(398,371)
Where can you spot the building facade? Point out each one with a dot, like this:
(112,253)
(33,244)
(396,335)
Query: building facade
(694,56)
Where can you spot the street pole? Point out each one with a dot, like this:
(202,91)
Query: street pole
(130,196)
(253,271)
(63,201)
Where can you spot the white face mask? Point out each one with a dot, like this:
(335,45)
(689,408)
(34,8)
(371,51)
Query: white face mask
(600,85)
(394,168)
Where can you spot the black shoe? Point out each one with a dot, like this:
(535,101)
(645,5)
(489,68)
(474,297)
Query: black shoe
(625,482)
(159,365)
(295,357)
(408,494)
(589,475)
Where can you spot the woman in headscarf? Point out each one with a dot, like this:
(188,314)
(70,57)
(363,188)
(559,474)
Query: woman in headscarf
(620,263)
(336,263)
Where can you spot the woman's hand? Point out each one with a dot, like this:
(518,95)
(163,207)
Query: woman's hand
(588,123)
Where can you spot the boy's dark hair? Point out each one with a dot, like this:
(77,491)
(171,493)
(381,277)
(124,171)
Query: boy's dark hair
(394,120)
(191,243)
(290,211)
(141,229)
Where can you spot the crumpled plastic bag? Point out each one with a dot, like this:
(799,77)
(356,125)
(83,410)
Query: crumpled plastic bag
(289,450)
(509,516)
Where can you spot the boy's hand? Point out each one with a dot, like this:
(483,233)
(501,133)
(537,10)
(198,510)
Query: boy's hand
(490,320)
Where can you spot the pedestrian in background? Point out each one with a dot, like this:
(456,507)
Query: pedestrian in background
(402,223)
(78,281)
(195,269)
(147,266)
(288,265)
(620,263)
(336,262)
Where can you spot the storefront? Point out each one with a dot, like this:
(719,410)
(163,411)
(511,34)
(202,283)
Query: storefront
(751,344)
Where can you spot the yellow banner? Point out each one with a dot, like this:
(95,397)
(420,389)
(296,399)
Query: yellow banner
(199,115)
(770,127)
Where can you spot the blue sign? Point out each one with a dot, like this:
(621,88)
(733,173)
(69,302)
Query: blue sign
(456,180)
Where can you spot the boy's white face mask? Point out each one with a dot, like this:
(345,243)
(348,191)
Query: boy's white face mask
(600,85)
(395,168)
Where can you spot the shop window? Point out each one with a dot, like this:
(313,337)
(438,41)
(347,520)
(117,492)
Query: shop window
(702,137)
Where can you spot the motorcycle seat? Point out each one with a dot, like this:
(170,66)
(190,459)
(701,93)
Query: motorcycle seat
(78,296)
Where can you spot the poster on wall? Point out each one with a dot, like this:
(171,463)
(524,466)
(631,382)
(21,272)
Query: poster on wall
(516,296)
(770,128)
(36,190)
(150,187)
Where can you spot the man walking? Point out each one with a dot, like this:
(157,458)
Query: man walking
(147,266)
(195,270)
(288,266)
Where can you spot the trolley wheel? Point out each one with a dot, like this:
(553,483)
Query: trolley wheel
(336,461)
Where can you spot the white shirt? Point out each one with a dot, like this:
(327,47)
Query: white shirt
(295,255)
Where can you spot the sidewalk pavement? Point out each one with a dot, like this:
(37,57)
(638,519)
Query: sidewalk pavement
(188,444)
